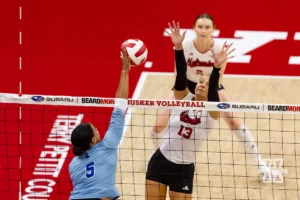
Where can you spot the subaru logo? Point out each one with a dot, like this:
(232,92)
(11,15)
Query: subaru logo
(38,98)
(223,105)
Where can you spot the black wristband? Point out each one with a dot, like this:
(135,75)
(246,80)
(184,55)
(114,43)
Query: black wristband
(213,90)
(181,68)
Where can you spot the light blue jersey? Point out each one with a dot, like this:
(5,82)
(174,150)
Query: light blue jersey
(93,174)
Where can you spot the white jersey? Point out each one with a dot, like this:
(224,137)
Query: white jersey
(198,64)
(186,130)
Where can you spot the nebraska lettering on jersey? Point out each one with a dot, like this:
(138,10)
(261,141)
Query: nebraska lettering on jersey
(197,63)
(192,120)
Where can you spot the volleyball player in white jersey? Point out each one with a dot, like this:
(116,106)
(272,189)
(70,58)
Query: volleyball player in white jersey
(172,165)
(200,63)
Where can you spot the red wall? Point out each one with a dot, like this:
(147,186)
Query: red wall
(72,48)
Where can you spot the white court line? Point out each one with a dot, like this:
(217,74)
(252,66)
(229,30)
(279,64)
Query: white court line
(20,88)
(20,13)
(262,76)
(144,75)
(232,76)
(20,37)
(20,62)
(20,190)
(20,92)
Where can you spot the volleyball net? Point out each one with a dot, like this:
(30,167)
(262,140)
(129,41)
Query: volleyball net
(35,148)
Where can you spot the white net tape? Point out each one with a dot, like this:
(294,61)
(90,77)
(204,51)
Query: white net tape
(148,103)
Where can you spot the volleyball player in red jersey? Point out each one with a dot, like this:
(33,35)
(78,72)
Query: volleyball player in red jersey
(173,164)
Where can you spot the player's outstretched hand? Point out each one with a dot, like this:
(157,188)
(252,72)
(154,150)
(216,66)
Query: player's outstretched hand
(175,35)
(125,61)
(223,55)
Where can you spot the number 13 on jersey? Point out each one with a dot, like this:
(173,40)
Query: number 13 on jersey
(185,132)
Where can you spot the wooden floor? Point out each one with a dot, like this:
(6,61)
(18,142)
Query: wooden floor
(223,170)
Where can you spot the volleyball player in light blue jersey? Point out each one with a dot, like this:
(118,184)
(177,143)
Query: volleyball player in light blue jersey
(93,169)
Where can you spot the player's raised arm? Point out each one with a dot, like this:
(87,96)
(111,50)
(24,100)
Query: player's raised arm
(114,133)
(219,59)
(180,88)
(122,91)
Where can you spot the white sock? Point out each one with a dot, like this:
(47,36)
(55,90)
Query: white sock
(245,136)
(156,139)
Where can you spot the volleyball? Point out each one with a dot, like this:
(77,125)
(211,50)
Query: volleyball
(137,51)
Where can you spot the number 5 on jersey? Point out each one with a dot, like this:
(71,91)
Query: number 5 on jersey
(185,132)
(90,170)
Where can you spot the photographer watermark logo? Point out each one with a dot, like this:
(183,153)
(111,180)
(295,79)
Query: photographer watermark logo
(278,172)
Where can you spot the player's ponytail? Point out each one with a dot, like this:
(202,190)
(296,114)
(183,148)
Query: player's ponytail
(78,151)
(81,138)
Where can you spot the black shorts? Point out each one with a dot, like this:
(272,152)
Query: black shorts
(179,177)
(192,85)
